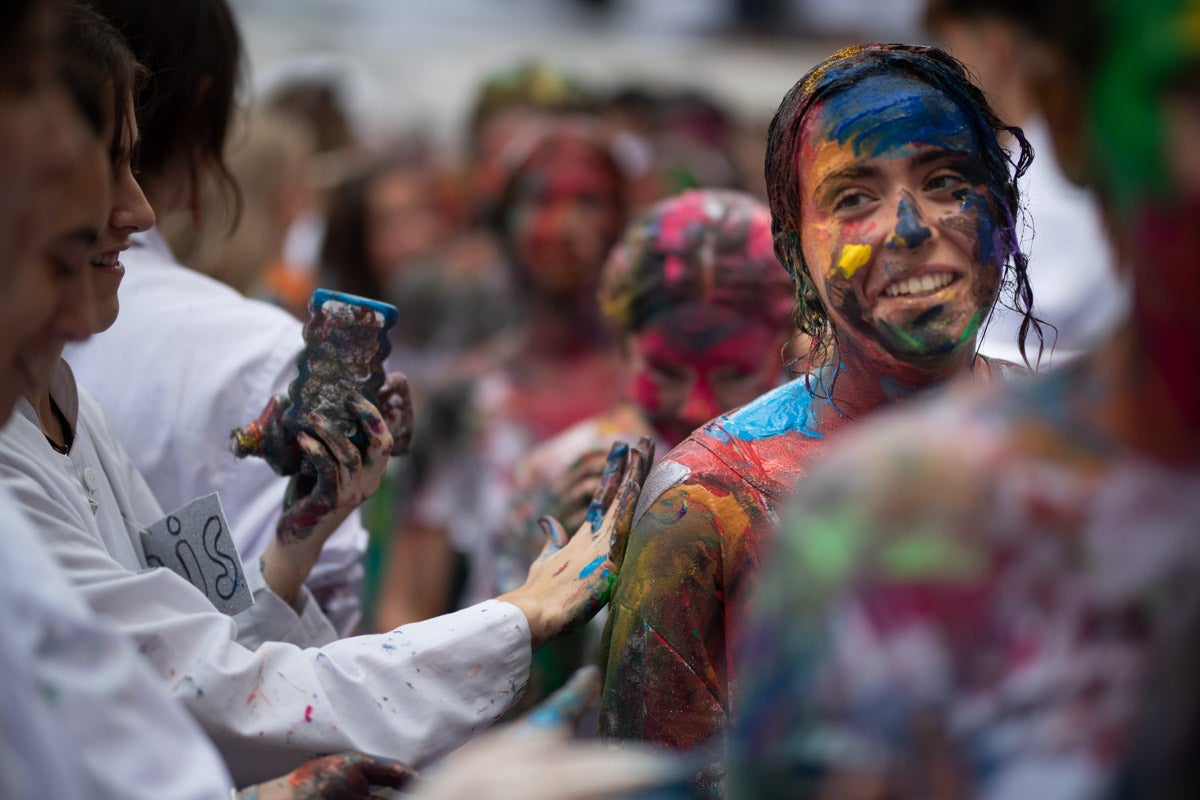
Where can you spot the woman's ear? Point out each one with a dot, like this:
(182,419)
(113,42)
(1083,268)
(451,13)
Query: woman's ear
(1058,93)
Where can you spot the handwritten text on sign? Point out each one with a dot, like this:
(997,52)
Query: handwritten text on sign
(195,543)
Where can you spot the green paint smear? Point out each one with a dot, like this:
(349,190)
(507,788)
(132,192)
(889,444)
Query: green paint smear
(829,544)
(972,326)
(907,338)
(920,556)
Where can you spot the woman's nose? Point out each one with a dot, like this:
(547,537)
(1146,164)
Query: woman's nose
(910,231)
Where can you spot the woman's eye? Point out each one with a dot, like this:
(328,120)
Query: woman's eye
(667,371)
(850,200)
(944,180)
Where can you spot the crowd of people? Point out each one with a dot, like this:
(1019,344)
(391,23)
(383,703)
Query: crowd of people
(874,475)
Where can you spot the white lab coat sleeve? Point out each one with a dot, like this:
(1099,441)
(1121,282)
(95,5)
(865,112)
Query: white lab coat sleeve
(413,694)
(302,623)
(82,715)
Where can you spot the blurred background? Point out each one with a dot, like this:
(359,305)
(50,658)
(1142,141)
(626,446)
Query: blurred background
(473,162)
(419,62)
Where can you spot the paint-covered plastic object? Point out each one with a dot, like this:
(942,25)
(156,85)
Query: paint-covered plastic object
(345,344)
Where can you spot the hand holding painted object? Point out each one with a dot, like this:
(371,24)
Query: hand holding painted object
(330,417)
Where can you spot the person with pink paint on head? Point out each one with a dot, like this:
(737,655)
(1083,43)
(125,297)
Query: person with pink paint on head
(701,309)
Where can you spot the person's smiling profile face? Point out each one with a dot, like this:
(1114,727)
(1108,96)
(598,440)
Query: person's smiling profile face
(896,225)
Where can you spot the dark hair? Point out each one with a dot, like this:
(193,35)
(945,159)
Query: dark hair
(98,64)
(192,51)
(344,257)
(30,32)
(940,71)
(15,16)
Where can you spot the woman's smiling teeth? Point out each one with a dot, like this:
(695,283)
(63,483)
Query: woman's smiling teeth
(106,259)
(923,284)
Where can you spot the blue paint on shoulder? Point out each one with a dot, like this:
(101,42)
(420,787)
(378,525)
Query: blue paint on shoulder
(786,409)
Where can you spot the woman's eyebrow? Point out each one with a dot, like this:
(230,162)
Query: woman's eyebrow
(831,183)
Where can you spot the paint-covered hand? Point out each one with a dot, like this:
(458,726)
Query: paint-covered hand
(336,476)
(333,481)
(344,776)
(574,490)
(395,403)
(571,580)
(535,758)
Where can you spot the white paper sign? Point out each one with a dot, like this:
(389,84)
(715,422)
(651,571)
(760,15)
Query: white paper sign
(195,543)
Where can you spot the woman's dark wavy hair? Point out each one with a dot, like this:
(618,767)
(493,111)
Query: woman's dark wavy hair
(940,71)
(192,51)
(97,61)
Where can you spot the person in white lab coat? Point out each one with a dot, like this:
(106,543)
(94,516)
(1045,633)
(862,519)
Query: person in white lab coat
(81,716)
(411,694)
(216,355)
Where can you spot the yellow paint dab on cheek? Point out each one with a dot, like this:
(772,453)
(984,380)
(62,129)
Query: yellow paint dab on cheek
(853,256)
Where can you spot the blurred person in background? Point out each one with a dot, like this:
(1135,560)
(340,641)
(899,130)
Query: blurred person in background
(684,138)
(701,308)
(385,237)
(562,206)
(240,241)
(426,573)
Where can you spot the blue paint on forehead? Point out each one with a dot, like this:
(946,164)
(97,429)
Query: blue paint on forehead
(885,114)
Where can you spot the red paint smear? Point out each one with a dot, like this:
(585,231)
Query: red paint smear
(308,713)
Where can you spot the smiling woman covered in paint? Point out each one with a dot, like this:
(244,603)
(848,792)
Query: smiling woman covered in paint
(893,208)
(993,593)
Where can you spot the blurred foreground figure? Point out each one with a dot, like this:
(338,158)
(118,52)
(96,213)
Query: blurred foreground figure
(981,597)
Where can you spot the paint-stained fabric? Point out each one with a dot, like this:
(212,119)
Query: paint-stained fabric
(81,717)
(668,678)
(987,591)
(101,493)
(188,360)
(412,694)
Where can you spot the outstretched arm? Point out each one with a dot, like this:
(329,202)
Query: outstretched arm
(572,580)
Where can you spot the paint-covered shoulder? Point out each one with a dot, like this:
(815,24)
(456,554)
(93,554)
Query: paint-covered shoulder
(787,409)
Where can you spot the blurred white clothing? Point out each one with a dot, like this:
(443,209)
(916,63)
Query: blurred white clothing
(81,716)
(1071,266)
